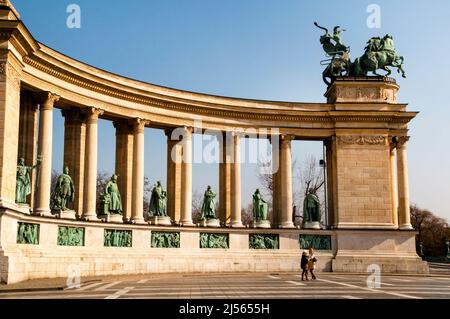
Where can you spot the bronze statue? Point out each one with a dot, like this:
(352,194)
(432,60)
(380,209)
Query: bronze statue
(111,199)
(311,207)
(158,201)
(64,192)
(259,207)
(23,180)
(209,205)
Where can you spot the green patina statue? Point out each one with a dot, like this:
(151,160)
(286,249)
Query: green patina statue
(23,180)
(311,207)
(379,54)
(111,199)
(64,192)
(209,205)
(158,201)
(260,207)
(339,63)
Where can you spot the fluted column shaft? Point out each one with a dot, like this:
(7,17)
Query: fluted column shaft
(186,179)
(45,151)
(236,219)
(404,218)
(286,182)
(174,160)
(137,213)
(90,169)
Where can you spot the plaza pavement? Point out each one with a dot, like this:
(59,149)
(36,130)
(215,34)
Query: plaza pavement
(248,286)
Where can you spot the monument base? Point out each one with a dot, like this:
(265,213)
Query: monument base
(115,218)
(64,214)
(214,222)
(311,225)
(160,221)
(260,224)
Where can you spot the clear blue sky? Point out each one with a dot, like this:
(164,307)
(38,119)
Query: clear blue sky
(262,49)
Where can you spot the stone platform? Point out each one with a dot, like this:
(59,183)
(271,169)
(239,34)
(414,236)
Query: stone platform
(337,250)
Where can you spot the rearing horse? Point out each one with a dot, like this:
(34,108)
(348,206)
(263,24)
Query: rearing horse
(383,58)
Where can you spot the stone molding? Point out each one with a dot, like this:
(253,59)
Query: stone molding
(362,140)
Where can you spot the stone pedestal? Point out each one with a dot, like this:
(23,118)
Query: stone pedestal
(160,221)
(311,225)
(260,224)
(115,218)
(214,222)
(24,208)
(66,214)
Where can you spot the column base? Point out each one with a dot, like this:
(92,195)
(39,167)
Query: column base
(138,221)
(237,224)
(405,227)
(43,213)
(187,223)
(115,218)
(66,214)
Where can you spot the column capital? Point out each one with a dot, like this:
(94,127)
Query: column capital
(188,129)
(287,138)
(47,99)
(93,113)
(139,124)
(400,141)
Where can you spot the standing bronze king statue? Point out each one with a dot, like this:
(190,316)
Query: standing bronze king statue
(379,54)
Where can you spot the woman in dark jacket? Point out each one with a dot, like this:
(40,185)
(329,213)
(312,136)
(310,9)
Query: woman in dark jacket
(304,265)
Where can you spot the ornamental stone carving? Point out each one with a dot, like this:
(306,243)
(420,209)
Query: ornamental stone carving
(362,140)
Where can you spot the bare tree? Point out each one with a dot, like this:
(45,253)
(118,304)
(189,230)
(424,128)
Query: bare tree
(433,231)
(197,202)
(103,178)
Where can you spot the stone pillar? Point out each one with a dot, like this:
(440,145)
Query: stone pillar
(330,165)
(226,154)
(10,73)
(124,165)
(137,213)
(404,218)
(236,219)
(74,152)
(45,151)
(174,162)
(276,182)
(28,135)
(90,169)
(286,182)
(394,184)
(186,179)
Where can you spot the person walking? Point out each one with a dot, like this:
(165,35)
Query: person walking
(304,265)
(312,263)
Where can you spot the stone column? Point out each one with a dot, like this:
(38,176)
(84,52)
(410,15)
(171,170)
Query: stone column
(137,213)
(286,182)
(276,181)
(226,154)
(236,219)
(10,73)
(90,169)
(329,153)
(404,218)
(174,160)
(28,135)
(394,184)
(74,152)
(186,179)
(124,165)
(45,151)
